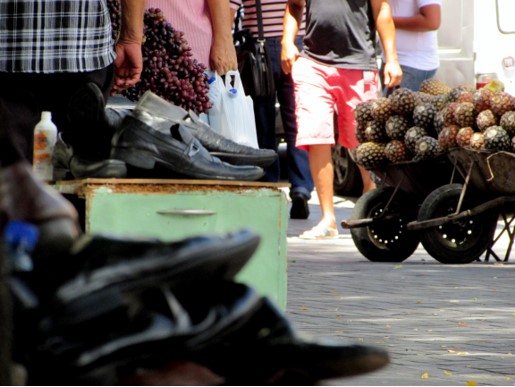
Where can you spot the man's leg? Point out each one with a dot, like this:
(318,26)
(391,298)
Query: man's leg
(321,165)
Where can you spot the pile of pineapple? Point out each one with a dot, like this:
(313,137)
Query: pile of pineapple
(420,125)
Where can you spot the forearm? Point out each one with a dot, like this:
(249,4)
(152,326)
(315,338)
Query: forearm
(132,20)
(221,21)
(428,19)
(385,28)
(292,20)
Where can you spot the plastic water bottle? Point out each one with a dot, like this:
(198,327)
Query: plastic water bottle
(45,137)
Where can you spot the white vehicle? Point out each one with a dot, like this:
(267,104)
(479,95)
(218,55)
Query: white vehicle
(477,42)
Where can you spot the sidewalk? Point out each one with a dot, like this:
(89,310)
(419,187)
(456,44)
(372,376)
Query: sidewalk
(442,324)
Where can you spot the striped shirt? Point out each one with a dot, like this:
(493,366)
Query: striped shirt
(193,18)
(49,36)
(272,12)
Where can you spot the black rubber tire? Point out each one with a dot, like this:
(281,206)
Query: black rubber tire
(347,178)
(458,242)
(388,240)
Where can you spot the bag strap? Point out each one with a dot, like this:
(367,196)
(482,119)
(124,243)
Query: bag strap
(259,18)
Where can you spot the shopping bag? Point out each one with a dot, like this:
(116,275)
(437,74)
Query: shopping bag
(232,114)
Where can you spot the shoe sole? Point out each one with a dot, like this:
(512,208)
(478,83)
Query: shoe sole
(240,159)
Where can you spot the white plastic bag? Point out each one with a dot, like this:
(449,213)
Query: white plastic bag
(232,114)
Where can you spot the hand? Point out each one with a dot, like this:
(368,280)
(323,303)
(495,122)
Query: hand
(128,66)
(289,54)
(223,57)
(392,74)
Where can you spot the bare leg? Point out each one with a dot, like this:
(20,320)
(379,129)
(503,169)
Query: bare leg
(368,183)
(321,166)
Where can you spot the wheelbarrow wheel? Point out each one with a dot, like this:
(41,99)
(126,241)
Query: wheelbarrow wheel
(388,239)
(460,241)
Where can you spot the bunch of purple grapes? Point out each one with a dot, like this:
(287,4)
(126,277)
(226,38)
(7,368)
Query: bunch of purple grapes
(169,69)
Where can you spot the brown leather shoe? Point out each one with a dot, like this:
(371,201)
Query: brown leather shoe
(24,197)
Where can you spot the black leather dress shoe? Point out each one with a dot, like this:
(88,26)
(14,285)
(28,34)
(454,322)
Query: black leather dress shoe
(142,146)
(147,331)
(166,114)
(284,357)
(68,165)
(102,262)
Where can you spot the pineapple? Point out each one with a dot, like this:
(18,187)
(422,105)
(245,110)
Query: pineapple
(375,131)
(360,132)
(438,121)
(434,87)
(440,101)
(403,101)
(447,137)
(507,121)
(502,102)
(423,115)
(412,135)
(396,151)
(465,114)
(481,99)
(456,92)
(477,141)
(463,136)
(381,109)
(426,148)
(371,155)
(363,112)
(485,119)
(448,113)
(396,127)
(496,138)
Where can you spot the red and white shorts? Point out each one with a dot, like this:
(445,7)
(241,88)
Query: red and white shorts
(320,92)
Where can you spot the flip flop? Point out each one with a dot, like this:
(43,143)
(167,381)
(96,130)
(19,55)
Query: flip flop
(320,232)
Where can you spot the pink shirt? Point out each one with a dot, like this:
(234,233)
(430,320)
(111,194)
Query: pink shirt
(193,18)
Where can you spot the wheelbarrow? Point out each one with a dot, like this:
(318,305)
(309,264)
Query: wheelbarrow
(457,223)
(378,224)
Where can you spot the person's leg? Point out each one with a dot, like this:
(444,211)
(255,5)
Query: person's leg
(297,162)
(321,165)
(351,89)
(314,107)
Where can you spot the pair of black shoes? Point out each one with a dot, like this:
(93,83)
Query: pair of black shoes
(156,136)
(121,307)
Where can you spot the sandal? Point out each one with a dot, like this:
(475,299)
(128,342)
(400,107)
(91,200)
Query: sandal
(320,232)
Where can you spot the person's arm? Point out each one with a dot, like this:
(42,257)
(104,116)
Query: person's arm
(382,14)
(428,19)
(291,22)
(223,54)
(128,64)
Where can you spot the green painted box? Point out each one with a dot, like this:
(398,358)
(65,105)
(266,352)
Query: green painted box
(176,209)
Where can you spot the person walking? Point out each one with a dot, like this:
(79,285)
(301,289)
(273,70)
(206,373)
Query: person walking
(297,164)
(416,24)
(335,71)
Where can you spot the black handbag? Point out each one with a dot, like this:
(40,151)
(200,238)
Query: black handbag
(253,61)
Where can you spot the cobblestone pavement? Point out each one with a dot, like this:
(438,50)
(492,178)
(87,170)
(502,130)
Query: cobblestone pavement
(442,324)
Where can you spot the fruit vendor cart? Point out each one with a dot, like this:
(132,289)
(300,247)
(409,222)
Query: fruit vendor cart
(379,220)
(458,206)
(457,223)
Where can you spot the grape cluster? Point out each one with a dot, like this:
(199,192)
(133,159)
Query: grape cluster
(169,69)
